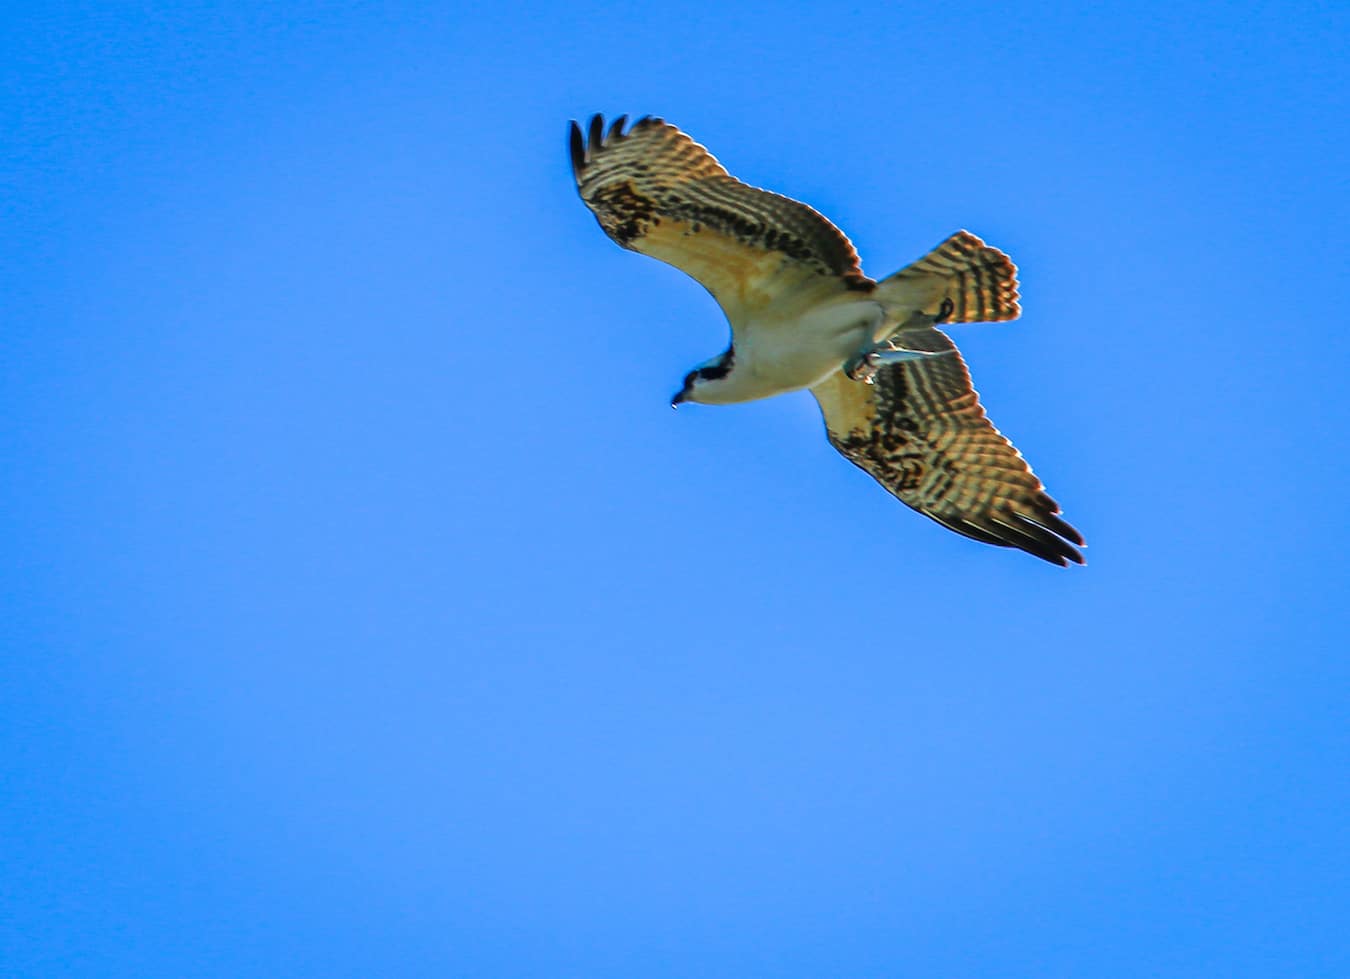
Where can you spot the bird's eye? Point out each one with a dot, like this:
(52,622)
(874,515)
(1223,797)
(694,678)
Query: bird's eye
(689,378)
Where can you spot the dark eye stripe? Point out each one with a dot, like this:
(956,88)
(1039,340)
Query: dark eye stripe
(720,369)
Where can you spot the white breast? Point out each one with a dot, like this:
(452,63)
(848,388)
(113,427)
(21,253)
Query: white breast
(787,353)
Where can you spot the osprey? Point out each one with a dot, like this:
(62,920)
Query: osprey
(895,394)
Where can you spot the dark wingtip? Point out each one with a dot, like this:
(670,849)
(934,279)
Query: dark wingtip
(616,127)
(1044,529)
(1050,519)
(1074,558)
(1026,532)
(595,137)
(1050,548)
(1067,555)
(1067,531)
(578,148)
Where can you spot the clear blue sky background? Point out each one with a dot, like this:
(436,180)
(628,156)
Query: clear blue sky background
(367,612)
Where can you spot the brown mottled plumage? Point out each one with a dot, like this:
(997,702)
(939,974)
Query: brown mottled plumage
(920,431)
(784,274)
(655,191)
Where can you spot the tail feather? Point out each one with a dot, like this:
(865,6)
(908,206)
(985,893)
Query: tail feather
(979,281)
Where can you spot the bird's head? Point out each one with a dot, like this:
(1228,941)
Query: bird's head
(701,383)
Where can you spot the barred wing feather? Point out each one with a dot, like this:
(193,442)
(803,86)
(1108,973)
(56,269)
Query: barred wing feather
(655,191)
(920,431)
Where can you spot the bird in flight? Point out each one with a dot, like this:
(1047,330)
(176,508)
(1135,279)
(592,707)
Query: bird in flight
(895,394)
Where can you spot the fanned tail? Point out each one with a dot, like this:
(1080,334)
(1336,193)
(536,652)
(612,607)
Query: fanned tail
(979,283)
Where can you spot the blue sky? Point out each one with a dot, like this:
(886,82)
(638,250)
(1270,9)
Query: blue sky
(368,611)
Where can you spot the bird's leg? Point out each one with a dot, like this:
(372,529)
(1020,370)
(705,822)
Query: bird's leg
(863,364)
(875,354)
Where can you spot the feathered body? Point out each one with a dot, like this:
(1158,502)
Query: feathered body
(801,310)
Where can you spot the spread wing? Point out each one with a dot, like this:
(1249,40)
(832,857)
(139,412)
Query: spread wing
(920,431)
(655,191)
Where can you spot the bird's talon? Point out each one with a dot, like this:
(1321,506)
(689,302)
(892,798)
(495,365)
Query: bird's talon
(863,368)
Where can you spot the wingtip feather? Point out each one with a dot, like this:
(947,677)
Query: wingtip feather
(1049,546)
(577,147)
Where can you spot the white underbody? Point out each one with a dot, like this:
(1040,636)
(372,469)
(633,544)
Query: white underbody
(775,354)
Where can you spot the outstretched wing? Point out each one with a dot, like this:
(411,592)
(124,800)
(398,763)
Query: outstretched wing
(654,190)
(920,431)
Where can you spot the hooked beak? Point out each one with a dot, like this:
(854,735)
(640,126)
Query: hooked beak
(679,398)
